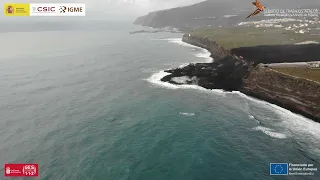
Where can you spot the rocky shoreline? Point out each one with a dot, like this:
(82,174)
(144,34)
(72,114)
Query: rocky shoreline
(239,70)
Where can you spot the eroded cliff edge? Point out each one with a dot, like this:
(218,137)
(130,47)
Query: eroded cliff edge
(239,69)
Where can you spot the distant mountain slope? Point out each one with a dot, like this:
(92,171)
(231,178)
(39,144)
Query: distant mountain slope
(215,13)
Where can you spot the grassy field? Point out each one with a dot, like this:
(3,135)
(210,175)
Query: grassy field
(302,72)
(251,36)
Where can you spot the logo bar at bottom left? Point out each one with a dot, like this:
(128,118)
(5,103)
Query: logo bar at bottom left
(21,170)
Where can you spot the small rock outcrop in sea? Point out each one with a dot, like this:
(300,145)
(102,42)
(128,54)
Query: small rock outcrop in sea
(237,69)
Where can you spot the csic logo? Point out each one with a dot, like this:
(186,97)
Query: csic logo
(65,9)
(44,9)
(10,9)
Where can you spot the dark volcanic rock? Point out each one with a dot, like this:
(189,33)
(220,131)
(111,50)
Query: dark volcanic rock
(227,74)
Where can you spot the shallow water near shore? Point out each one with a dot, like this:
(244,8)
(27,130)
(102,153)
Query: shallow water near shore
(95,108)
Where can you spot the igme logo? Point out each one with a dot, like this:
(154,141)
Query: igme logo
(64,9)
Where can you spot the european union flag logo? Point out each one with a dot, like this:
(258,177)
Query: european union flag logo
(279,168)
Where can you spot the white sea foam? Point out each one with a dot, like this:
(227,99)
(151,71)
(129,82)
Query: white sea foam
(186,114)
(270,132)
(308,42)
(183,79)
(298,123)
(183,65)
(181,43)
(252,117)
(205,54)
(156,79)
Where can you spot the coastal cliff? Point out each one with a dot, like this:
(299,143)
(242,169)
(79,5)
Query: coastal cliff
(239,69)
(296,94)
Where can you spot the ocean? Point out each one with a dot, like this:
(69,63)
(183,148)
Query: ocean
(85,101)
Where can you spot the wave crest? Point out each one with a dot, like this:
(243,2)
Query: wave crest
(186,114)
(270,132)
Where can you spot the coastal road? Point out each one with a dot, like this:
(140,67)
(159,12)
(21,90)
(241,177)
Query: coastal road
(296,64)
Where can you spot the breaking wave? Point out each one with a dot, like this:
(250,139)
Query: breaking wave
(205,55)
(156,79)
(270,132)
(186,114)
(181,43)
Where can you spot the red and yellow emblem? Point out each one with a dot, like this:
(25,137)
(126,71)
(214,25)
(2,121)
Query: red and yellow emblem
(16,9)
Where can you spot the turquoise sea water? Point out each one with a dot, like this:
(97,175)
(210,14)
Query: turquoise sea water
(85,102)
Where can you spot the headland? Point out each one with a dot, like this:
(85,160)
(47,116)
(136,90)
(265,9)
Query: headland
(245,65)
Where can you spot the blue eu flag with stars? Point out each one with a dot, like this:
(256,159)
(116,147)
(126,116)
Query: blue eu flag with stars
(279,168)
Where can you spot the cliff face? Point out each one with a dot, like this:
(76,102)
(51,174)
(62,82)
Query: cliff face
(230,72)
(217,51)
(298,95)
(279,53)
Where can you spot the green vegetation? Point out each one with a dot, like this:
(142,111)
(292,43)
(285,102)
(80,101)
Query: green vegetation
(251,36)
(302,72)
